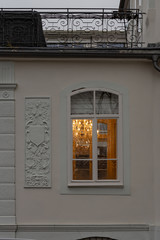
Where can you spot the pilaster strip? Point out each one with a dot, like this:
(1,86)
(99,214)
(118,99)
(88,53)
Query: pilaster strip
(7,147)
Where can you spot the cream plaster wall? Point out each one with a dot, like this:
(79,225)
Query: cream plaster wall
(156,149)
(49,78)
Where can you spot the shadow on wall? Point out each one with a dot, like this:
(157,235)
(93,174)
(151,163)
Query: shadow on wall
(97,238)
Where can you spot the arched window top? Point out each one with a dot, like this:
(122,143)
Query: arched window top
(94,101)
(97,238)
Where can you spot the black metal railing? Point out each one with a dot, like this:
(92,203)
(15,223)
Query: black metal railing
(71,28)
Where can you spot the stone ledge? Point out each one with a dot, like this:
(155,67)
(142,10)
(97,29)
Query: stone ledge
(83,228)
(8,228)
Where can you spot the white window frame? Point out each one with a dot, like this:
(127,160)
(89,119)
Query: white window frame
(96,183)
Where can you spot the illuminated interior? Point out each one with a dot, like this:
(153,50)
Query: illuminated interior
(107,148)
(82,149)
(106,142)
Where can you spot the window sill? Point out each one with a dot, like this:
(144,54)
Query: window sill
(110,183)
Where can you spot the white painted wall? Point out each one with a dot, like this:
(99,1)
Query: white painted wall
(156,150)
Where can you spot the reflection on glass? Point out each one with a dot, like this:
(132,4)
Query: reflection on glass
(82,138)
(106,103)
(82,103)
(107,169)
(82,170)
(106,138)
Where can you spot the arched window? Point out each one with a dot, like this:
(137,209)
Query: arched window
(95,146)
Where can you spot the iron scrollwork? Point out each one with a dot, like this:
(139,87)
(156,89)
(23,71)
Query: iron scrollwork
(71,28)
(93,28)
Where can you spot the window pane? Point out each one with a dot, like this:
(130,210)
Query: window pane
(106,103)
(82,103)
(106,138)
(82,138)
(82,170)
(107,169)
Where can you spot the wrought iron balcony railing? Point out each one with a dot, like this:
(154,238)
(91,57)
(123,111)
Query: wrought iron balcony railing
(71,28)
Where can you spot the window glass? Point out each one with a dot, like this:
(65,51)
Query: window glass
(106,138)
(82,170)
(82,138)
(82,103)
(107,169)
(82,149)
(106,103)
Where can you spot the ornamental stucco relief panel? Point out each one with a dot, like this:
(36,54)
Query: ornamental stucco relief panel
(37,142)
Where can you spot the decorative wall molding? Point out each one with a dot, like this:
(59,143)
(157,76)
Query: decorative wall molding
(67,232)
(37,142)
(83,228)
(8,228)
(6,95)
(7,91)
(8,86)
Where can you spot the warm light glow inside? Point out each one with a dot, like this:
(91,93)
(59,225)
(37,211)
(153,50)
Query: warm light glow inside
(82,149)
(106,143)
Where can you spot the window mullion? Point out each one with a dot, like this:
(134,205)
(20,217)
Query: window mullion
(70,140)
(94,139)
(94,102)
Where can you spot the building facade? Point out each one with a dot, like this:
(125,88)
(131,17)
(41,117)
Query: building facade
(79,124)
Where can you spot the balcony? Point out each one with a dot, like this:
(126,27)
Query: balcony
(68,29)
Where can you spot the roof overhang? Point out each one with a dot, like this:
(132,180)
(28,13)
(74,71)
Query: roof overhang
(146,53)
(152,54)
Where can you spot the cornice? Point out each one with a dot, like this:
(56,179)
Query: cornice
(8,85)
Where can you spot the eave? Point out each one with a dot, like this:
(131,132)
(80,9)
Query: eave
(152,54)
(146,53)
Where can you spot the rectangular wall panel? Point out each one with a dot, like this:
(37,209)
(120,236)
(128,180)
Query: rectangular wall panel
(7,142)
(7,125)
(7,158)
(7,109)
(7,191)
(7,175)
(7,207)
(37,142)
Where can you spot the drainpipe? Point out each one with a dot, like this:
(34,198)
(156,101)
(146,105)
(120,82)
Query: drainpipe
(156,62)
(124,5)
